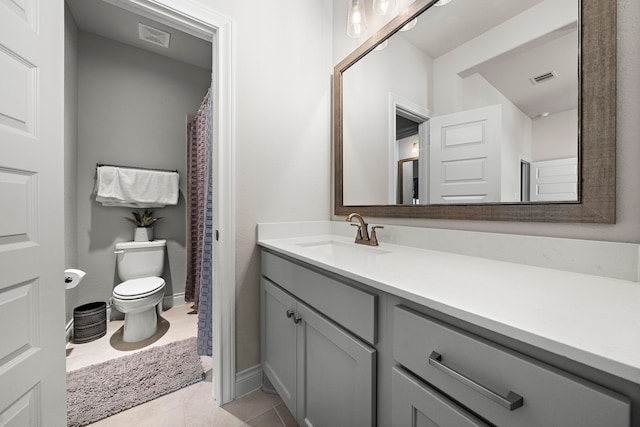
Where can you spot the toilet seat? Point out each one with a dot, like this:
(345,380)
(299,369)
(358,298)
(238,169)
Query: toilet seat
(138,288)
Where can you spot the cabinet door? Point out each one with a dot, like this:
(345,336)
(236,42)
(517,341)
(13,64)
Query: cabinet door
(336,375)
(279,342)
(417,405)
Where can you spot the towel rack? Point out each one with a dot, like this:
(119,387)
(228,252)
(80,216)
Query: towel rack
(135,167)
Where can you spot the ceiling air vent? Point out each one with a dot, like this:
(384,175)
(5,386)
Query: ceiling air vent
(153,35)
(543,78)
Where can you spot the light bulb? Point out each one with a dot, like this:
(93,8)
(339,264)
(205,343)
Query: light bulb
(382,7)
(356,19)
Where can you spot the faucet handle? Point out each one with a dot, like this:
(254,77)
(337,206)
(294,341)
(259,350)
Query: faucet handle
(359,232)
(374,238)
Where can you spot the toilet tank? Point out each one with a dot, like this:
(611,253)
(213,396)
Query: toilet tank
(140,259)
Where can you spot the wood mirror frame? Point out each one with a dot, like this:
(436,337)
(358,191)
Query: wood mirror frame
(597,132)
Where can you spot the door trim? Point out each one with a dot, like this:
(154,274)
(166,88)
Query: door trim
(206,23)
(413,111)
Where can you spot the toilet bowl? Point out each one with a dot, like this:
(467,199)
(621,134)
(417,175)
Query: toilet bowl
(140,295)
(141,301)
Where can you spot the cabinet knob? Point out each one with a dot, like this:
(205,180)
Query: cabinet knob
(297,319)
(290,313)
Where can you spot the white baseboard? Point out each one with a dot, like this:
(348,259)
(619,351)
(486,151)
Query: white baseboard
(248,380)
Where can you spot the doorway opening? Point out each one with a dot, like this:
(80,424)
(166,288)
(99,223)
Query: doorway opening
(525,181)
(408,145)
(207,24)
(408,154)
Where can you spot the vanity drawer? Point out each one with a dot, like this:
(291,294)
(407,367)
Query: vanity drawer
(482,375)
(346,305)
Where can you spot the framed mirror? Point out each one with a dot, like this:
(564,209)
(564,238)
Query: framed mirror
(493,110)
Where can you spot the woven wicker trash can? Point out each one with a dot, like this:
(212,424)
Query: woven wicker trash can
(89,322)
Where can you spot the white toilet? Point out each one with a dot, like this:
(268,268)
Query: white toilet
(140,295)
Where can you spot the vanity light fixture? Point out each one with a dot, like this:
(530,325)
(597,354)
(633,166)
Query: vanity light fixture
(382,7)
(356,19)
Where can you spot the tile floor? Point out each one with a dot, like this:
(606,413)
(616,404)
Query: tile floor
(191,406)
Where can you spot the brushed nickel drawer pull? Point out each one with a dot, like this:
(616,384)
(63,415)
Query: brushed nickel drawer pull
(511,402)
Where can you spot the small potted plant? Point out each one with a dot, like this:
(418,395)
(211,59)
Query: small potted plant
(144,225)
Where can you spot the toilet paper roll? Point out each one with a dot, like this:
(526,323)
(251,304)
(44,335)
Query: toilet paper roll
(72,277)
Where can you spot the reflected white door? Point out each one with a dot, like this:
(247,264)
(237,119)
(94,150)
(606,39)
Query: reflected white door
(465,156)
(32,338)
(554,180)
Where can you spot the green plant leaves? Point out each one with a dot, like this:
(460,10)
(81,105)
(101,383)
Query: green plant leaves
(144,219)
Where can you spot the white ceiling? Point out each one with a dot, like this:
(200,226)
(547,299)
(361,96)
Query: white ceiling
(439,30)
(442,29)
(511,75)
(112,22)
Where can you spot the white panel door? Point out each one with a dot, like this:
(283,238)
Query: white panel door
(32,337)
(554,180)
(464,153)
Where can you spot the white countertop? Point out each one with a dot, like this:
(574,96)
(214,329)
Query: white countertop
(590,319)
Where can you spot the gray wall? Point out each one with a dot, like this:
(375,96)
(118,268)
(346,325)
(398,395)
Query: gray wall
(132,110)
(70,155)
(627,227)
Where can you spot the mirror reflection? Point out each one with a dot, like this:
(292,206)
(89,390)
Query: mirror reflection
(475,102)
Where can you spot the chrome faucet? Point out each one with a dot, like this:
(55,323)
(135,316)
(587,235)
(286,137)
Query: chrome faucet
(362,235)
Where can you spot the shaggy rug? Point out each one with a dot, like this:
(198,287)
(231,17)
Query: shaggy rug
(98,391)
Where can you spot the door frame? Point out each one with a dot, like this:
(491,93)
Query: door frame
(206,23)
(400,178)
(412,111)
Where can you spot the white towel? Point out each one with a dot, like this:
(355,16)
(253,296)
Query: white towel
(137,188)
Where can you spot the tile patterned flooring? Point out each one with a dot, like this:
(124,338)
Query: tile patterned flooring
(191,406)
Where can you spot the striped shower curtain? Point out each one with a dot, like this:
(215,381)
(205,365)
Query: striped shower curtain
(198,287)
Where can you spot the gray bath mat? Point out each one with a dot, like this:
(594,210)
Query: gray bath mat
(101,390)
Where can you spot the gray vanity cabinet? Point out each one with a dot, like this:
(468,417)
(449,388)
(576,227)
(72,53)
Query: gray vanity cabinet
(340,353)
(325,375)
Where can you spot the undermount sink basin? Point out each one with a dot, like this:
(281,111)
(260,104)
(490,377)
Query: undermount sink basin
(342,249)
